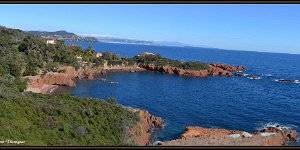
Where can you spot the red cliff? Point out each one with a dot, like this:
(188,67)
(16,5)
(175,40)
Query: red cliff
(215,70)
(141,132)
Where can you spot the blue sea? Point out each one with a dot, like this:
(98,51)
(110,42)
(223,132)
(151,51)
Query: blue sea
(237,103)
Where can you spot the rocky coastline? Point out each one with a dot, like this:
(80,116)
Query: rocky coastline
(47,82)
(214,70)
(142,131)
(199,136)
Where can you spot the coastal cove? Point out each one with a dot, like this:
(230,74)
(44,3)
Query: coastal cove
(184,101)
(152,76)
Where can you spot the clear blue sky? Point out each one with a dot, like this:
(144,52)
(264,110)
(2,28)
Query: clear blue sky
(273,28)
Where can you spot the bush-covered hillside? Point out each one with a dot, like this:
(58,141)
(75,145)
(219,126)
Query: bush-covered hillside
(63,120)
(52,120)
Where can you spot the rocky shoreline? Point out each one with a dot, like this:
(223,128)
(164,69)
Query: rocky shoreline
(141,133)
(68,75)
(214,70)
(48,82)
(199,136)
(45,82)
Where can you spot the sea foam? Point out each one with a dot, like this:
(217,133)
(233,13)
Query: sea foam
(276,125)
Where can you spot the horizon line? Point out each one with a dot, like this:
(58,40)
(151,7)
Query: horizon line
(188,45)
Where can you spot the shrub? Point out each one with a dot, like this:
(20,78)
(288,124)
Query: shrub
(114,62)
(112,100)
(21,84)
(2,71)
(51,66)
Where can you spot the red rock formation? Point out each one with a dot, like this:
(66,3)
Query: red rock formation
(241,68)
(288,135)
(58,79)
(215,70)
(51,79)
(225,67)
(192,131)
(150,67)
(167,69)
(67,75)
(199,136)
(141,132)
(69,70)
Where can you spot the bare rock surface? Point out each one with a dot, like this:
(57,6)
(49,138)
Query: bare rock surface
(141,132)
(215,70)
(199,136)
(45,82)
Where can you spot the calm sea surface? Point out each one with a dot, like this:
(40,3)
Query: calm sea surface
(225,102)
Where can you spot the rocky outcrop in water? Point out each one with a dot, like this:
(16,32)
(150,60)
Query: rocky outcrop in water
(254,77)
(240,74)
(199,136)
(141,132)
(215,70)
(288,81)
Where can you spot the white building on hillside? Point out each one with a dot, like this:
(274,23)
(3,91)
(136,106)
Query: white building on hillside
(51,41)
(145,53)
(99,55)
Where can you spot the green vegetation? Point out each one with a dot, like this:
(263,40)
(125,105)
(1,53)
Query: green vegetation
(22,54)
(44,120)
(161,61)
(64,35)
(112,100)
(144,59)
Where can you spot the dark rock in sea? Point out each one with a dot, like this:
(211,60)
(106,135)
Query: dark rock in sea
(290,81)
(239,74)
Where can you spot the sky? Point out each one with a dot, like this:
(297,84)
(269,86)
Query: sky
(251,27)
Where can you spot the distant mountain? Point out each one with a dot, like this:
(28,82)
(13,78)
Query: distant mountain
(106,39)
(68,36)
(120,40)
(170,43)
(63,35)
